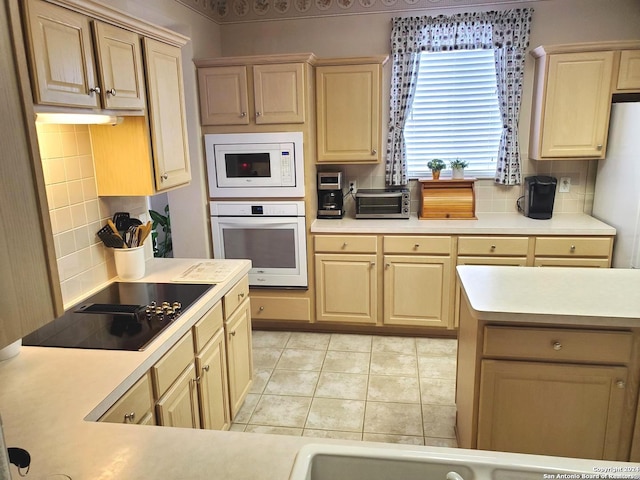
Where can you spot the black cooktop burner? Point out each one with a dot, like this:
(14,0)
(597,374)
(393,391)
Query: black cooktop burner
(122,316)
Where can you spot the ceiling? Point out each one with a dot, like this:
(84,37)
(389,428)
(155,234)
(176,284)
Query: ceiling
(233,11)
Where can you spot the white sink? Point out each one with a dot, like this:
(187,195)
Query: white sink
(342,462)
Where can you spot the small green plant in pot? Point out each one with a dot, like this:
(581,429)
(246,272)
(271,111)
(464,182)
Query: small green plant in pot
(457,168)
(436,165)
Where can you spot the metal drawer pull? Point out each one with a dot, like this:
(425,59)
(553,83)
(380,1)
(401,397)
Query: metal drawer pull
(373,264)
(416,246)
(374,151)
(493,247)
(130,417)
(344,245)
(573,248)
(621,384)
(94,90)
(112,92)
(233,334)
(261,308)
(243,114)
(240,295)
(557,346)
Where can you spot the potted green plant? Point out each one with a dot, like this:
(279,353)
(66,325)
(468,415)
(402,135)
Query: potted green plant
(165,247)
(436,165)
(457,168)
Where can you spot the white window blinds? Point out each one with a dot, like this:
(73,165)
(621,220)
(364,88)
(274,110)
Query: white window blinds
(455,113)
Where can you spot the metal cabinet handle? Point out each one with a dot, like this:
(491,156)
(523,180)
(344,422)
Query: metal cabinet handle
(493,247)
(130,417)
(416,246)
(261,308)
(206,368)
(258,114)
(599,146)
(94,90)
(233,334)
(374,152)
(344,245)
(373,264)
(240,296)
(164,176)
(387,265)
(112,92)
(621,384)
(573,248)
(557,346)
(243,114)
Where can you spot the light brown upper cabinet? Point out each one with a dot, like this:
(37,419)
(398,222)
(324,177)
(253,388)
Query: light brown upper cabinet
(629,71)
(348,110)
(235,91)
(143,156)
(65,71)
(571,104)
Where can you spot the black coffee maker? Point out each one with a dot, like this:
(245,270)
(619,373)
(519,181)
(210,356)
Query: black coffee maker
(539,194)
(330,200)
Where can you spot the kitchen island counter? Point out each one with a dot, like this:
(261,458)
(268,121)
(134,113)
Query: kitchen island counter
(486,224)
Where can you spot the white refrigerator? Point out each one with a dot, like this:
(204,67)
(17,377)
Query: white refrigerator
(617,191)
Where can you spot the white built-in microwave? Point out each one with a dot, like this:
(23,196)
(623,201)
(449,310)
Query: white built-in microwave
(255,165)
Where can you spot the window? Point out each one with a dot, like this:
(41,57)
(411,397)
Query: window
(455,113)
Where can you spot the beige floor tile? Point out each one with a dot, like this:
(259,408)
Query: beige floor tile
(438,391)
(350,386)
(437,367)
(266,357)
(292,382)
(403,345)
(311,341)
(389,388)
(440,442)
(437,346)
(346,362)
(350,343)
(265,339)
(281,411)
(393,364)
(336,414)
(439,420)
(393,418)
(237,427)
(260,378)
(297,432)
(296,359)
(404,439)
(249,405)
(332,434)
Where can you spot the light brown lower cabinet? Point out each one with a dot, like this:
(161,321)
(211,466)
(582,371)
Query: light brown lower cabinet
(551,409)
(239,355)
(179,406)
(211,365)
(135,406)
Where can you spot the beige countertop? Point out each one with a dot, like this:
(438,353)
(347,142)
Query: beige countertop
(49,397)
(574,296)
(486,224)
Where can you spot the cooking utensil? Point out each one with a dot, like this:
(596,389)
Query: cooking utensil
(122,221)
(145,230)
(116,232)
(131,236)
(108,237)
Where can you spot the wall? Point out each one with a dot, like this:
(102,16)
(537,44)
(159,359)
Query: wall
(189,207)
(554,21)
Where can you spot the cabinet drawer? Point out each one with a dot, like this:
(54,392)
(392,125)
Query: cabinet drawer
(280,308)
(133,405)
(573,246)
(207,326)
(417,244)
(498,246)
(582,262)
(171,365)
(236,296)
(557,344)
(346,244)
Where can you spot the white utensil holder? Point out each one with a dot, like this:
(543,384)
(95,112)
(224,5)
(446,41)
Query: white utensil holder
(129,262)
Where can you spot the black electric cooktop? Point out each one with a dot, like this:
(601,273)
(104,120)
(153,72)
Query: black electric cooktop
(122,316)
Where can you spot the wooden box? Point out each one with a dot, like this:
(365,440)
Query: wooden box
(447,199)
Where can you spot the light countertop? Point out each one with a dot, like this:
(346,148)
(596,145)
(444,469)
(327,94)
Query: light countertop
(486,224)
(49,397)
(574,296)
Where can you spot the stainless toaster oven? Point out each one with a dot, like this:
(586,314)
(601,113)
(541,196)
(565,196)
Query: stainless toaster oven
(392,202)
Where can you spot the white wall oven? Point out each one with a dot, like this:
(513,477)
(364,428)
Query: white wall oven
(255,165)
(271,234)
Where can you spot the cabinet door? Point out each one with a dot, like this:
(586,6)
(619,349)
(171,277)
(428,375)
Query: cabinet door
(211,365)
(629,73)
(61,56)
(551,409)
(239,355)
(578,98)
(348,113)
(223,95)
(346,288)
(416,290)
(120,65)
(279,93)
(167,114)
(179,406)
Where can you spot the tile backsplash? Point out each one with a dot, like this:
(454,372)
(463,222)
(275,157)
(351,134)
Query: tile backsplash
(77,212)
